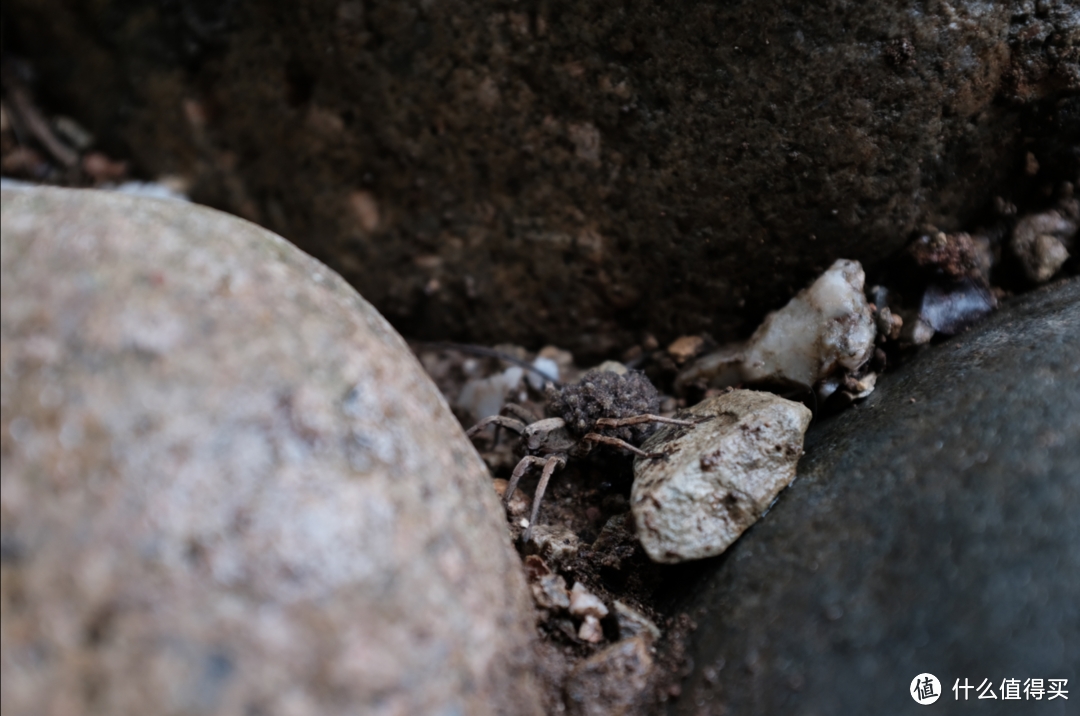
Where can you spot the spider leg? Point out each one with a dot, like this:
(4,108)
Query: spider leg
(598,438)
(519,471)
(500,421)
(555,461)
(517,411)
(520,412)
(638,419)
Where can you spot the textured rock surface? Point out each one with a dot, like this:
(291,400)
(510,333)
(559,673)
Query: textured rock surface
(718,477)
(228,487)
(934,528)
(596,170)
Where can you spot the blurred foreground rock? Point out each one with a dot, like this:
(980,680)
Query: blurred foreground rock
(576,172)
(228,487)
(933,528)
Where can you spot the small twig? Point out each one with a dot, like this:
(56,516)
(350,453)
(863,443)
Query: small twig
(38,127)
(489,353)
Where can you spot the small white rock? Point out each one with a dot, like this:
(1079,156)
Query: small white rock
(1038,241)
(590,630)
(826,326)
(482,397)
(915,330)
(545,365)
(584,603)
(719,476)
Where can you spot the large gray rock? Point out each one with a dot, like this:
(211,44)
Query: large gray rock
(933,528)
(594,170)
(228,487)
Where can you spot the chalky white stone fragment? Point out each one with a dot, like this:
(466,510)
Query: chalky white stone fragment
(583,603)
(481,397)
(1039,242)
(718,477)
(826,326)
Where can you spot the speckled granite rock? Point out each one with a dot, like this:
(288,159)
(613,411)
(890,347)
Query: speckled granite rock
(933,528)
(596,170)
(228,487)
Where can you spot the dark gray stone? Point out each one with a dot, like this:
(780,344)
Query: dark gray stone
(933,528)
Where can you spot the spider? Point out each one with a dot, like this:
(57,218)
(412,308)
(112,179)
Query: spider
(623,405)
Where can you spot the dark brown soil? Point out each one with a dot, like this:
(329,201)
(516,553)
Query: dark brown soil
(596,172)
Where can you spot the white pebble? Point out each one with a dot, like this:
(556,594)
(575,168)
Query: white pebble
(546,366)
(825,327)
(590,630)
(583,603)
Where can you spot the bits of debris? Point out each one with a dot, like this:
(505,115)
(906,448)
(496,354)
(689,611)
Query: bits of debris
(518,504)
(612,366)
(633,623)
(615,533)
(590,630)
(951,309)
(888,324)
(915,331)
(718,369)
(685,348)
(718,478)
(825,327)
(25,163)
(102,169)
(76,135)
(557,545)
(955,256)
(1003,207)
(591,610)
(847,386)
(609,682)
(1031,165)
(900,53)
(583,603)
(486,396)
(563,359)
(548,589)
(1041,242)
(548,367)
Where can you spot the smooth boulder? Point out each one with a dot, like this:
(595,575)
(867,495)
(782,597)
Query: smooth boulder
(229,487)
